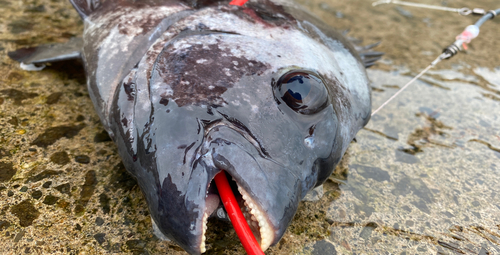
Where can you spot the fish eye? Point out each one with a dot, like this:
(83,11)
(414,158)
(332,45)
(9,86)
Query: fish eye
(303,91)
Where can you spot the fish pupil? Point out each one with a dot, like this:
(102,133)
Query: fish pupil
(296,95)
(302,91)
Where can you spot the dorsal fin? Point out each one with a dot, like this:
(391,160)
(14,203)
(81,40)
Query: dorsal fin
(85,7)
(368,56)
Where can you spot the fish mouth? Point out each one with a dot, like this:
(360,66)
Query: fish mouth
(229,132)
(255,216)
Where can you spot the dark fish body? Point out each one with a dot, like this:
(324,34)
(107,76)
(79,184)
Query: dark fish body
(186,89)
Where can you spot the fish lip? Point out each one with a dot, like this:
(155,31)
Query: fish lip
(238,128)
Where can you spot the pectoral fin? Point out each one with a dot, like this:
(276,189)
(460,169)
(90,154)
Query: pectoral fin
(49,52)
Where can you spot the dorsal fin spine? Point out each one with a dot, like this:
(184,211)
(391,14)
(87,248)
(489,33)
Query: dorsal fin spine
(84,7)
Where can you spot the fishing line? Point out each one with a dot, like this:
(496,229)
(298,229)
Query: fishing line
(462,11)
(461,41)
(403,88)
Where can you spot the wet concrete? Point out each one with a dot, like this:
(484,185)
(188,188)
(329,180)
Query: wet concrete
(422,178)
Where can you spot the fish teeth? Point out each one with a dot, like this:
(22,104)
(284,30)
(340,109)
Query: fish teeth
(204,229)
(258,219)
(254,217)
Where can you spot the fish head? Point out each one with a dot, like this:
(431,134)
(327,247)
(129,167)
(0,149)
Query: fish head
(270,111)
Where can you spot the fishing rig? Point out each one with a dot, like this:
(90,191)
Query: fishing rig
(461,41)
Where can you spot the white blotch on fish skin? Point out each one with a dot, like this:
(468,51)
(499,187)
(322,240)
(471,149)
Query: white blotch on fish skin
(309,142)
(180,45)
(201,61)
(247,98)
(211,87)
(169,91)
(255,109)
(235,62)
(227,71)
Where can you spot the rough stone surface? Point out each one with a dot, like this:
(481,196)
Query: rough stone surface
(50,200)
(6,171)
(54,97)
(82,159)
(36,194)
(60,158)
(323,247)
(25,212)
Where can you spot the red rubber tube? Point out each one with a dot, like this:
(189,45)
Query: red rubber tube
(240,225)
(238,2)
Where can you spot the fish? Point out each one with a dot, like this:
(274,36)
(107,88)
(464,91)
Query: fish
(186,89)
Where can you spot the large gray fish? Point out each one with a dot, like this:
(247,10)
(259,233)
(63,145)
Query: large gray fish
(264,91)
